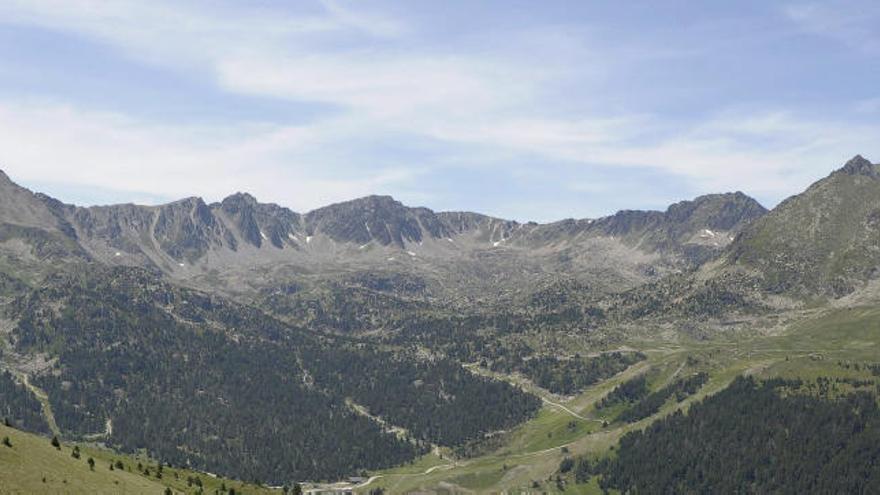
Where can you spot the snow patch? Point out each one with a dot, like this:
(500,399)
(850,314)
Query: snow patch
(308,239)
(391,258)
(362,246)
(411,253)
(450,240)
(263,235)
(117,254)
(291,236)
(180,264)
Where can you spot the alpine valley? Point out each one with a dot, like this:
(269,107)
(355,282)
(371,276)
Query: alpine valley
(369,346)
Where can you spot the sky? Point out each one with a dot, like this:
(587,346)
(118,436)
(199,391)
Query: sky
(519,109)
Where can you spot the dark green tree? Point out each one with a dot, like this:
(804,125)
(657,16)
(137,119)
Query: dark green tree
(566,465)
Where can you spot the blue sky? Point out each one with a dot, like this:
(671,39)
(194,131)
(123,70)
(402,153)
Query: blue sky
(525,110)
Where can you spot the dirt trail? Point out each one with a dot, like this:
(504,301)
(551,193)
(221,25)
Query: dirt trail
(371,479)
(44,403)
(569,411)
(677,371)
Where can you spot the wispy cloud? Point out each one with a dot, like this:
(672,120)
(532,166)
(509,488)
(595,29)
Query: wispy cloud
(384,87)
(853,22)
(42,141)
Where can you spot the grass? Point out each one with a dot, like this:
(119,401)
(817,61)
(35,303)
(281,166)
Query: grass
(420,465)
(32,466)
(32,459)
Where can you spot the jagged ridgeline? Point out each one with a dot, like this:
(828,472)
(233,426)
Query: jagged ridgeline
(292,262)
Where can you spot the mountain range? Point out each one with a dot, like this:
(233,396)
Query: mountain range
(822,242)
(247,339)
(241,246)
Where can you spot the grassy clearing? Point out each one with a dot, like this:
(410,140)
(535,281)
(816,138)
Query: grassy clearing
(32,465)
(32,459)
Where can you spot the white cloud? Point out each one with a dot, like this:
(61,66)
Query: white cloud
(40,142)
(373,24)
(371,84)
(852,22)
(487,104)
(771,155)
(179,34)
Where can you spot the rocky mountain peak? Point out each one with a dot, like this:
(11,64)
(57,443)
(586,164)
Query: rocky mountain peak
(858,165)
(257,222)
(20,206)
(821,241)
(4,179)
(376,218)
(723,211)
(373,205)
(237,201)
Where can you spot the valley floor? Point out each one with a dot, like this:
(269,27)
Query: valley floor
(528,459)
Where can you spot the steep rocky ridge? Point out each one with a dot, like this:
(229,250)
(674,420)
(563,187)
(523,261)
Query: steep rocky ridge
(819,245)
(822,242)
(242,246)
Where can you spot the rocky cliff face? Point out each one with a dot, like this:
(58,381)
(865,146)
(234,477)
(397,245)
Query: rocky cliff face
(257,223)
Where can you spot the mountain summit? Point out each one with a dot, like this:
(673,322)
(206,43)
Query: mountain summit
(822,241)
(858,165)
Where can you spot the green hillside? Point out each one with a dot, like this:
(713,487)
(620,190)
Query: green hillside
(33,466)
